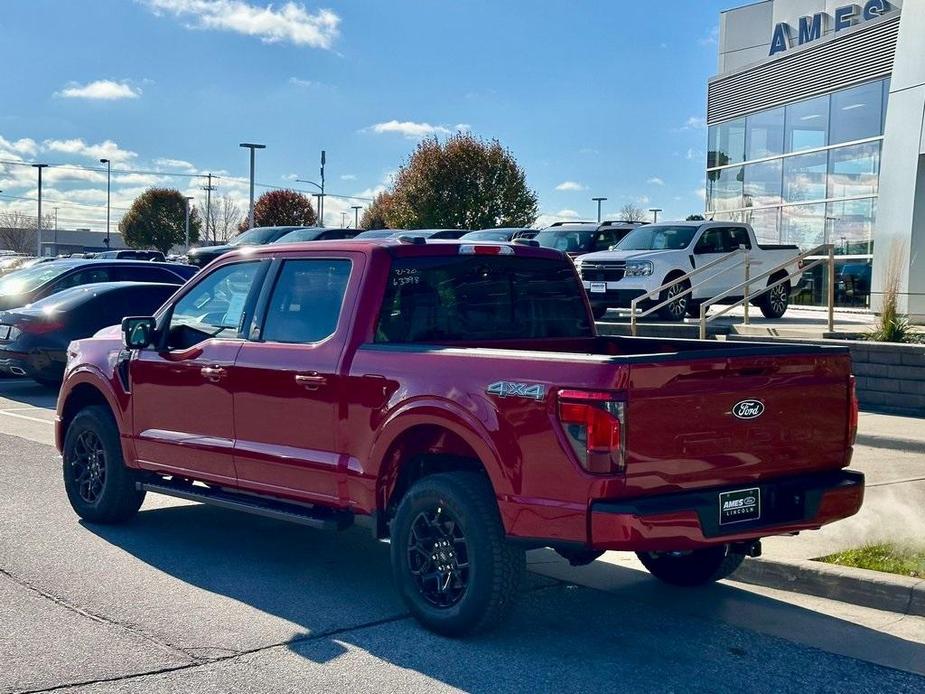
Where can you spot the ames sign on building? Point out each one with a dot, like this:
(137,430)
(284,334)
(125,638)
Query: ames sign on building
(816,136)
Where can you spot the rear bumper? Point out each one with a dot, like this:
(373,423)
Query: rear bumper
(689,520)
(44,364)
(615,298)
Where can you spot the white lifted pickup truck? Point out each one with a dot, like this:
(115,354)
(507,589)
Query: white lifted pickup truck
(655,254)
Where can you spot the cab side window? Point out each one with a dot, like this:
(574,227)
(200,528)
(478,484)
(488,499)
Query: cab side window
(213,307)
(89,276)
(711,241)
(306,300)
(737,236)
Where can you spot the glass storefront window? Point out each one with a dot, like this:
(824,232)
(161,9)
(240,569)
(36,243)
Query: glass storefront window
(851,225)
(854,170)
(726,143)
(804,177)
(764,134)
(766,224)
(856,113)
(724,189)
(803,225)
(762,184)
(807,124)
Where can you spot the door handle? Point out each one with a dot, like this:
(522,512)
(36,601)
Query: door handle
(213,373)
(311,381)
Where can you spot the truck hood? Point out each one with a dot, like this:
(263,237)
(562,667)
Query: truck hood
(610,256)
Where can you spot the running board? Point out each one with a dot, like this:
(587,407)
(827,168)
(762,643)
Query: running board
(314,517)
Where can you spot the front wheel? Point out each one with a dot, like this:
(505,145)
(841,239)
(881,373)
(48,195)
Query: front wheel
(451,562)
(98,485)
(694,568)
(675,310)
(775,301)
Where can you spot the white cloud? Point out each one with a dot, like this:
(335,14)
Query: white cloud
(104,150)
(643,200)
(137,179)
(711,39)
(570,186)
(410,129)
(547,218)
(21,146)
(290,176)
(694,123)
(693,154)
(655,181)
(462,127)
(348,177)
(298,82)
(174,163)
(101,90)
(289,22)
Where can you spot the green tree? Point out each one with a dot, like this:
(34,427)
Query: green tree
(374,216)
(282,208)
(695,218)
(462,183)
(157,219)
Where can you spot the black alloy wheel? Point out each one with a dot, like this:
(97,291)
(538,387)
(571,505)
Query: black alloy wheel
(87,465)
(438,557)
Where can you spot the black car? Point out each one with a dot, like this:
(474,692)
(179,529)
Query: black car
(34,339)
(578,238)
(316,234)
(499,234)
(258,236)
(132,254)
(31,284)
(434,233)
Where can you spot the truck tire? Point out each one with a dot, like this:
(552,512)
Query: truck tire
(774,303)
(98,485)
(695,568)
(676,310)
(452,565)
(598,311)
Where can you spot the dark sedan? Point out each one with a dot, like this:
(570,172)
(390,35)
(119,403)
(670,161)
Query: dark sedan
(316,234)
(34,339)
(499,234)
(434,233)
(258,236)
(31,284)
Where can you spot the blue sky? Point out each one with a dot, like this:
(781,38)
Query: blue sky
(593,98)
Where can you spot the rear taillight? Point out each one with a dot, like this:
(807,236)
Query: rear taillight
(39,327)
(853,408)
(594,424)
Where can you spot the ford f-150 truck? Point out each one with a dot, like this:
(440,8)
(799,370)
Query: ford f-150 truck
(653,255)
(455,398)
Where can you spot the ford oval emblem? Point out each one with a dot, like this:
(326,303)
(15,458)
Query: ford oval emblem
(748,409)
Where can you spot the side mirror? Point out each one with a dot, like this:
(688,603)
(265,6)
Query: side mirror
(138,331)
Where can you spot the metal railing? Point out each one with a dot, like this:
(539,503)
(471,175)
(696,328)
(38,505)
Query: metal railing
(636,314)
(819,255)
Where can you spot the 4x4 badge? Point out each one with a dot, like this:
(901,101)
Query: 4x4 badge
(748,409)
(507,389)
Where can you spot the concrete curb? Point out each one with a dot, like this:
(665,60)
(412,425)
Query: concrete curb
(874,589)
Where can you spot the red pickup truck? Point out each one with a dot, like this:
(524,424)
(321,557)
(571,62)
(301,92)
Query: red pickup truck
(456,399)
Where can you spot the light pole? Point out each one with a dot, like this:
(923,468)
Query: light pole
(598,201)
(187,198)
(108,180)
(356,215)
(320,220)
(655,211)
(250,214)
(322,186)
(56,231)
(38,230)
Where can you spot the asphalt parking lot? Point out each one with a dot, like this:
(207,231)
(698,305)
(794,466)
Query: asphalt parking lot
(196,599)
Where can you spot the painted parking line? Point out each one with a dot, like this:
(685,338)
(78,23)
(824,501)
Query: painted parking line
(16,415)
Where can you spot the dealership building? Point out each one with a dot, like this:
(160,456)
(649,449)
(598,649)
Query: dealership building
(816,134)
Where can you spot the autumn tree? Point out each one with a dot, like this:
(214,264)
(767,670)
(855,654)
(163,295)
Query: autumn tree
(631,213)
(157,219)
(277,208)
(462,183)
(374,216)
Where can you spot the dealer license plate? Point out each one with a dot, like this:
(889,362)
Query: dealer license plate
(598,287)
(739,506)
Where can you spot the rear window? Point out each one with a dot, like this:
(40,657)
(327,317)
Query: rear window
(474,298)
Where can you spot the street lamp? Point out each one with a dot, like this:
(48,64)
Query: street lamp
(250,214)
(655,211)
(598,201)
(38,231)
(188,198)
(108,179)
(320,197)
(356,215)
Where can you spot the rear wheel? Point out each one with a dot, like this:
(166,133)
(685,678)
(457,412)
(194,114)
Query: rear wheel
(98,485)
(694,568)
(451,562)
(775,301)
(675,310)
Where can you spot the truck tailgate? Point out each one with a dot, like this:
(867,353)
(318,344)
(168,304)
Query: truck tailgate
(731,420)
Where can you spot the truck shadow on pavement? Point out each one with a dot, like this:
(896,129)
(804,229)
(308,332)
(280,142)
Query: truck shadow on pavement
(243,584)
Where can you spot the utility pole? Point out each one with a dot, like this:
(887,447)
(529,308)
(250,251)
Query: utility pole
(108,181)
(343,219)
(38,230)
(56,231)
(322,186)
(187,198)
(250,214)
(356,216)
(209,188)
(317,197)
(655,211)
(598,201)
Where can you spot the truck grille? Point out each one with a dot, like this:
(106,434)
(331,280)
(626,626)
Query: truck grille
(603,272)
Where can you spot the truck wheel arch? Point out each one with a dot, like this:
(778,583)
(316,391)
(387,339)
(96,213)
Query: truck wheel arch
(85,393)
